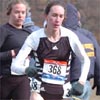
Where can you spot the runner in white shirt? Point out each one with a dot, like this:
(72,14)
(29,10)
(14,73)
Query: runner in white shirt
(52,47)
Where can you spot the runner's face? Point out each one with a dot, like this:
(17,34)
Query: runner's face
(55,17)
(17,15)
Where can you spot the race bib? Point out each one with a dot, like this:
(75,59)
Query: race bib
(54,72)
(35,85)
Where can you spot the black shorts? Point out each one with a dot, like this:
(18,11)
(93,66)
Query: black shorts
(52,92)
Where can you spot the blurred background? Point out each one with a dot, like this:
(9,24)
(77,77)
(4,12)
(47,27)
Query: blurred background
(89,9)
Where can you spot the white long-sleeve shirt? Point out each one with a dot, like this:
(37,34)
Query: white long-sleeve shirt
(32,43)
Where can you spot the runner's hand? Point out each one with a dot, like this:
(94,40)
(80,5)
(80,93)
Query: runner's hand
(31,71)
(77,89)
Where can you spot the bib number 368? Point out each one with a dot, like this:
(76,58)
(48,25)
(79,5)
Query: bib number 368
(54,69)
